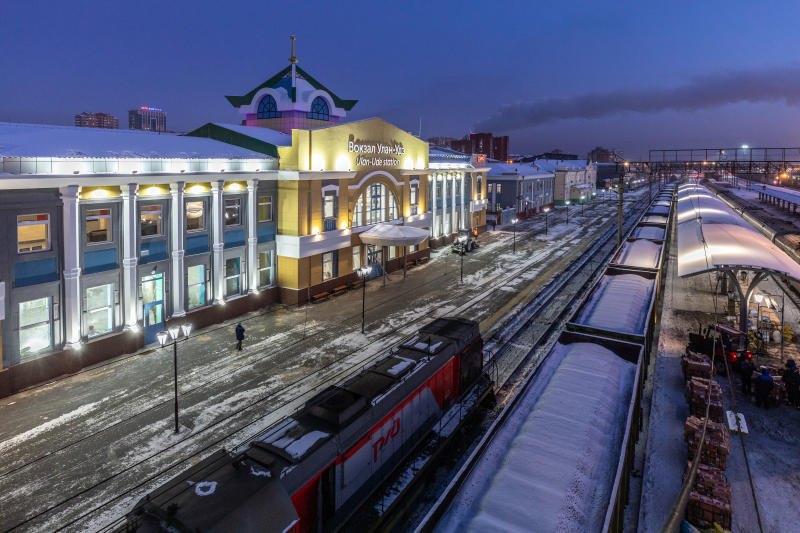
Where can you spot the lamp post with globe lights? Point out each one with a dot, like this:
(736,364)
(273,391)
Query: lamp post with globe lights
(546,210)
(174,333)
(363,274)
(566,203)
(514,225)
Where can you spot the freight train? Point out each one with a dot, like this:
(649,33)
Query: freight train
(311,471)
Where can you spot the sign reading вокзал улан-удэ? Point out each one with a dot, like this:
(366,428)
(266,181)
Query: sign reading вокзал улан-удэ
(375,153)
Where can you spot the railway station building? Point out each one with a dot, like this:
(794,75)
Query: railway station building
(519,186)
(121,233)
(575,180)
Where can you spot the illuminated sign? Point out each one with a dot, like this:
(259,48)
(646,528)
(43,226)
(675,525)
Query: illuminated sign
(375,153)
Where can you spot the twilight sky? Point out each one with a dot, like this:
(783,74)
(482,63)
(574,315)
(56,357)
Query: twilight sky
(631,75)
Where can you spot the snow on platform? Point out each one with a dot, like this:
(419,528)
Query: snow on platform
(654,233)
(640,253)
(551,467)
(619,302)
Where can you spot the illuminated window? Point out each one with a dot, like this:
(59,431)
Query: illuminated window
(98,225)
(268,108)
(264,268)
(371,206)
(99,309)
(232,212)
(196,286)
(33,233)
(150,220)
(319,109)
(479,191)
(195,221)
(264,208)
(414,198)
(356,257)
(232,277)
(35,331)
(329,265)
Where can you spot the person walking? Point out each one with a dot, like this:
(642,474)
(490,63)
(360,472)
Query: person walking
(239,336)
(746,370)
(792,380)
(764,385)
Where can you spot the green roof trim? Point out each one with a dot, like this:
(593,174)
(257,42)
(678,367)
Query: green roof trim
(239,101)
(218,133)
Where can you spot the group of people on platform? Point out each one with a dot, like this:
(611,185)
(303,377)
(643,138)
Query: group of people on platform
(764,383)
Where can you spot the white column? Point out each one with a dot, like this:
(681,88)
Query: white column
(433,206)
(218,244)
(72,268)
(252,237)
(129,261)
(444,204)
(453,222)
(463,217)
(178,222)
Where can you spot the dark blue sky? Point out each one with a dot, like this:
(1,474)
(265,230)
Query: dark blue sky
(577,74)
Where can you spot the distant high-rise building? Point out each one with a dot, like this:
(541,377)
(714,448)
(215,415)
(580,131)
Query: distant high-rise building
(444,142)
(148,119)
(483,143)
(602,155)
(96,120)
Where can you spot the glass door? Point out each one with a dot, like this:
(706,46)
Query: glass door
(375,259)
(153,302)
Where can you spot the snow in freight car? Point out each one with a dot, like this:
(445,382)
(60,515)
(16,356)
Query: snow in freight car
(639,253)
(649,232)
(619,302)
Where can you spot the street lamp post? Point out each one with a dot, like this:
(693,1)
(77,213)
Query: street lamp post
(582,202)
(567,204)
(363,273)
(546,210)
(173,332)
(514,225)
(463,241)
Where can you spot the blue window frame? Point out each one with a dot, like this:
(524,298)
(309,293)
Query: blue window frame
(268,108)
(319,109)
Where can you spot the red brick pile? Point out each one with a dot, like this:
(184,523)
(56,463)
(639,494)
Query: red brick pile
(695,365)
(696,395)
(710,498)
(717,442)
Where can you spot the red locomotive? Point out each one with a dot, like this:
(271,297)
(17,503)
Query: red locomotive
(313,470)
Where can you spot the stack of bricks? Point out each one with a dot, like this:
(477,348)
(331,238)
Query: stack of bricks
(695,365)
(710,498)
(696,395)
(717,442)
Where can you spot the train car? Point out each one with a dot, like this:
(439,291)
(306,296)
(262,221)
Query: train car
(311,471)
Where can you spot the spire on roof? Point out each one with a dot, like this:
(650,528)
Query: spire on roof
(293,61)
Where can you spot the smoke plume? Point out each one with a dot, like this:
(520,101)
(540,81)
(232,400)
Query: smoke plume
(701,92)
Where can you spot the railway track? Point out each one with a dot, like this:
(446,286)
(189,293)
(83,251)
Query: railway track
(56,515)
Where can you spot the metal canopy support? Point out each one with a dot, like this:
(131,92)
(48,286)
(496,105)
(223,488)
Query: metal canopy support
(744,298)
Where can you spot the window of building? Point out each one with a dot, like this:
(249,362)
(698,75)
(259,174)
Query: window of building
(490,188)
(98,225)
(392,252)
(329,212)
(232,211)
(232,277)
(480,189)
(268,108)
(99,309)
(498,188)
(328,265)
(196,286)
(413,194)
(265,268)
(370,207)
(150,220)
(356,257)
(33,233)
(319,109)
(264,208)
(35,333)
(195,218)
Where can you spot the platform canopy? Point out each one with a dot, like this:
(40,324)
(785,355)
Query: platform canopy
(392,235)
(712,236)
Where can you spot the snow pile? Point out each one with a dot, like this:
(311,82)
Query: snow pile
(295,439)
(619,302)
(639,253)
(649,232)
(557,471)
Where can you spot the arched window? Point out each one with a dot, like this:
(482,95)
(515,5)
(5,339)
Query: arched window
(268,108)
(376,204)
(319,109)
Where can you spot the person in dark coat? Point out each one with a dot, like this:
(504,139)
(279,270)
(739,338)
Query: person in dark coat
(764,385)
(239,336)
(792,380)
(746,370)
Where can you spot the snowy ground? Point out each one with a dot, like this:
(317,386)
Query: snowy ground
(772,445)
(80,451)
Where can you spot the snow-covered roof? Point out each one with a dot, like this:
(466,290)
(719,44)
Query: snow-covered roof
(38,140)
(711,235)
(447,154)
(393,235)
(516,169)
(551,165)
(640,253)
(266,135)
(619,302)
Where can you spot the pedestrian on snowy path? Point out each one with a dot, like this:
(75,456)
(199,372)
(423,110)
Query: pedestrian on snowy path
(792,380)
(746,370)
(764,385)
(239,336)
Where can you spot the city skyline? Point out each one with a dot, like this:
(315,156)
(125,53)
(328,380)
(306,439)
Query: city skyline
(572,79)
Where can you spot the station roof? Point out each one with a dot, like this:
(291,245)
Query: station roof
(45,140)
(713,236)
(523,170)
(551,165)
(792,196)
(263,140)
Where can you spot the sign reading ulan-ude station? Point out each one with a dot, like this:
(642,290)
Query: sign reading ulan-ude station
(375,153)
